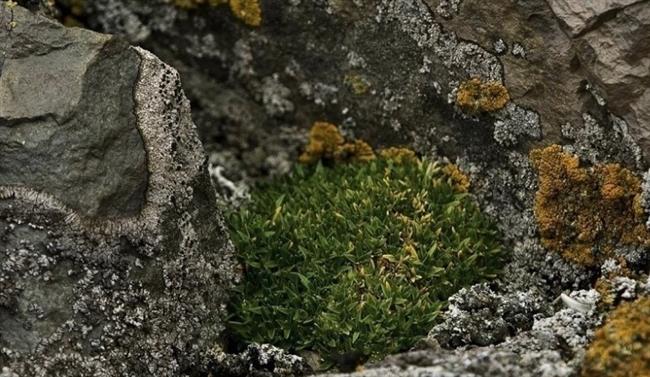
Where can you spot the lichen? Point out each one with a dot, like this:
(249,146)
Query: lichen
(324,141)
(585,213)
(474,96)
(357,83)
(248,11)
(621,346)
(457,178)
(328,145)
(399,155)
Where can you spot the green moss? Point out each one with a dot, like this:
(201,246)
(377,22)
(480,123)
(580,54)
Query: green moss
(359,257)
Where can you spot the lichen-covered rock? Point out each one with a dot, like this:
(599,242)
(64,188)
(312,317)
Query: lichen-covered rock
(480,316)
(114,260)
(554,347)
(257,360)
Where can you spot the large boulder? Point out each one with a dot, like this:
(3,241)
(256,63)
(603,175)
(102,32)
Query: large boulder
(114,260)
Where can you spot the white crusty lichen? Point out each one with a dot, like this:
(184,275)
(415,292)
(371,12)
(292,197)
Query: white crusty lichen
(513,122)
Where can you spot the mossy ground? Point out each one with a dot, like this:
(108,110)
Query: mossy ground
(357,257)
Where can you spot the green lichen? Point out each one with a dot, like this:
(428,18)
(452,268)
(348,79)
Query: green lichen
(356,258)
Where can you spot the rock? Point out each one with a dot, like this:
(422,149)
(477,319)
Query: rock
(390,76)
(480,316)
(580,16)
(68,114)
(616,56)
(258,360)
(554,347)
(114,260)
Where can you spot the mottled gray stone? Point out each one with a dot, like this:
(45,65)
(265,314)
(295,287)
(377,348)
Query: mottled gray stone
(140,294)
(257,360)
(553,347)
(67,117)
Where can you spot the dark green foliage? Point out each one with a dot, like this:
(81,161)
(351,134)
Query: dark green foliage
(356,258)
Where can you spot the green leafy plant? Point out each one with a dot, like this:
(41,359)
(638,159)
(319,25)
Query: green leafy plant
(357,257)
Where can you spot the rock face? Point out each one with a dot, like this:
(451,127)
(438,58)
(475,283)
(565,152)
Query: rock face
(389,72)
(63,85)
(114,260)
(578,17)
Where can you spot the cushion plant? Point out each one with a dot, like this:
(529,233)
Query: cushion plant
(357,257)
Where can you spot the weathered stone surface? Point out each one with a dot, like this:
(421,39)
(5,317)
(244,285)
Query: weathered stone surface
(67,117)
(616,55)
(581,15)
(554,347)
(139,294)
(387,75)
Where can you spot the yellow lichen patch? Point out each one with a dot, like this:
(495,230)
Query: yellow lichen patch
(248,11)
(584,213)
(621,347)
(325,141)
(399,155)
(358,150)
(457,178)
(475,95)
(358,84)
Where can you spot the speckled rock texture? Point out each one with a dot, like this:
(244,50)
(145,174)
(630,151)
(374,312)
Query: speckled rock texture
(257,360)
(114,259)
(387,72)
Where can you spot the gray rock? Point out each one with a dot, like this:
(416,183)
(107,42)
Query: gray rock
(579,16)
(60,87)
(387,72)
(480,316)
(554,347)
(84,292)
(257,360)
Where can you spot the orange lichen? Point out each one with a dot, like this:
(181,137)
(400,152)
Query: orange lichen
(584,213)
(621,347)
(327,144)
(248,11)
(324,142)
(358,150)
(475,95)
(399,155)
(457,178)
